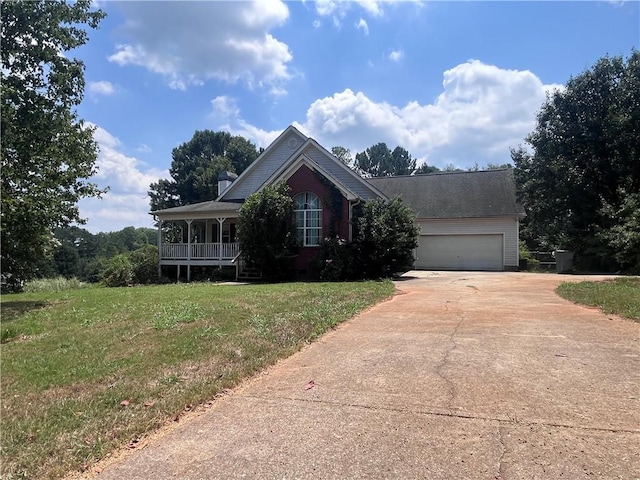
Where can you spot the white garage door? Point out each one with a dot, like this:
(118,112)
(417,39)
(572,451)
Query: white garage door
(460,252)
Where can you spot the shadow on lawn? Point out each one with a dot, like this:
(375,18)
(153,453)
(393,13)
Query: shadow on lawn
(13,310)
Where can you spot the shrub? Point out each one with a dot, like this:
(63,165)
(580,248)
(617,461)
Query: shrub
(266,232)
(144,262)
(118,271)
(335,260)
(386,238)
(529,259)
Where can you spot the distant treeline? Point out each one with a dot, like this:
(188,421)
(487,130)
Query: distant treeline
(84,255)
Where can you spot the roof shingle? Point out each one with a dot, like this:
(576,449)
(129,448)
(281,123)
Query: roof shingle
(490,193)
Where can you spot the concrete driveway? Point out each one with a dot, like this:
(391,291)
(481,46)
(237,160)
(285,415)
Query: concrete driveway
(461,375)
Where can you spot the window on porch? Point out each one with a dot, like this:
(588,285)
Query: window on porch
(228,232)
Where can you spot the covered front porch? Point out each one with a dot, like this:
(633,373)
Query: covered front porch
(202,235)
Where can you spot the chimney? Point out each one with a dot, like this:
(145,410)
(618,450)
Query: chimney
(224,180)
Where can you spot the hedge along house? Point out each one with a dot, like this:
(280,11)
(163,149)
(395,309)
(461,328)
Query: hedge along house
(472,211)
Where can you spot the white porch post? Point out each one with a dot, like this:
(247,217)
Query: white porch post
(220,222)
(159,248)
(189,249)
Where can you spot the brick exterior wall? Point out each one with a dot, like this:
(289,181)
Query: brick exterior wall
(305,180)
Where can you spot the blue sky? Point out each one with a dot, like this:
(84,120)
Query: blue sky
(452,82)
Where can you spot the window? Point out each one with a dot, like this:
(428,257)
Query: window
(308,212)
(228,232)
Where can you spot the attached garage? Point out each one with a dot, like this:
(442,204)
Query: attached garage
(467,220)
(460,252)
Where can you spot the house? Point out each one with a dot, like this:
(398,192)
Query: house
(468,221)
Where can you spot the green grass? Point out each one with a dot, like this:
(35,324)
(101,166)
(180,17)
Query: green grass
(70,358)
(620,296)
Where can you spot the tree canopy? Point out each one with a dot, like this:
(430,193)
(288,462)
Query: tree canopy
(579,175)
(48,153)
(379,161)
(196,165)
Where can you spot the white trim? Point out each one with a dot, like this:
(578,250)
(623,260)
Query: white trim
(305,227)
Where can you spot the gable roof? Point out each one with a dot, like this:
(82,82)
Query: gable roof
(278,151)
(316,157)
(286,150)
(490,193)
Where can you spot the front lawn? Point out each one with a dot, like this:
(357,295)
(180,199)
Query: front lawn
(620,296)
(86,371)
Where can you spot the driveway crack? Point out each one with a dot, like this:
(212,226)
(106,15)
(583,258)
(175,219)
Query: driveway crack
(438,369)
(503,450)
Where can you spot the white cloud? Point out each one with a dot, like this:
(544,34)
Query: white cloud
(340,7)
(227,117)
(482,111)
(396,55)
(316,24)
(126,203)
(144,148)
(100,88)
(225,107)
(362,25)
(191,42)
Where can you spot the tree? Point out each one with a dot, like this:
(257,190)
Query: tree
(386,236)
(583,163)
(267,232)
(424,168)
(48,153)
(196,165)
(379,161)
(343,154)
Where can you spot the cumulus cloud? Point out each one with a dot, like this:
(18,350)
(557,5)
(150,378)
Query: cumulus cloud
(126,203)
(396,55)
(102,87)
(481,112)
(191,42)
(340,7)
(362,25)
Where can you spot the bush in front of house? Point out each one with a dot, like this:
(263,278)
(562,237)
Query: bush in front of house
(385,239)
(335,261)
(266,232)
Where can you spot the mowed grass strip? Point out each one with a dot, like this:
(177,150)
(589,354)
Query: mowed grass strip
(620,296)
(69,359)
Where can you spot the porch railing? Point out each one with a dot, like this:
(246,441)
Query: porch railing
(199,251)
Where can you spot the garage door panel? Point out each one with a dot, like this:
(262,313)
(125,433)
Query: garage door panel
(460,252)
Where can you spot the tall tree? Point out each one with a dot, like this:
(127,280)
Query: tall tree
(425,168)
(196,165)
(583,163)
(343,154)
(48,153)
(379,161)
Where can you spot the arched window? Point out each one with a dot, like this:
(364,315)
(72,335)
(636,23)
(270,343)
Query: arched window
(308,212)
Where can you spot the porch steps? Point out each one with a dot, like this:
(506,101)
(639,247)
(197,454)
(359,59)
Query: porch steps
(249,274)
